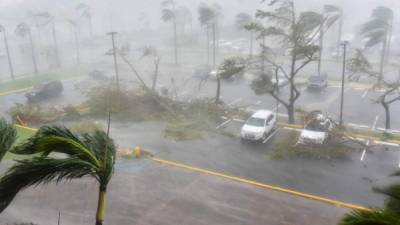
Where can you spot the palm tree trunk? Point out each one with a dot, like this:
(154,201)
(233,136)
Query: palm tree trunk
(214,45)
(8,55)
(156,64)
(101,206)
(78,61)
(382,62)
(57,55)
(251,44)
(35,67)
(175,43)
(208,45)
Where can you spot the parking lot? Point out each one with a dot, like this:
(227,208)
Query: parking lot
(229,155)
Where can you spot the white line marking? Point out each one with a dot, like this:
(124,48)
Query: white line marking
(223,124)
(283,115)
(376,121)
(365,94)
(257,102)
(363,155)
(270,136)
(239,120)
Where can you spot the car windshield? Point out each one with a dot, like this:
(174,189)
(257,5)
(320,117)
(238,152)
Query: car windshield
(256,122)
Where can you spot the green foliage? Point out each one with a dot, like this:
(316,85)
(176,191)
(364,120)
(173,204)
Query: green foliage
(132,104)
(231,66)
(34,114)
(8,136)
(85,155)
(286,148)
(375,217)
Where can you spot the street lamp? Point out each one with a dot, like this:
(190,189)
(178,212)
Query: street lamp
(112,34)
(2,29)
(344,44)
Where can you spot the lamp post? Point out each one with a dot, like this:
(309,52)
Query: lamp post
(112,34)
(2,29)
(344,44)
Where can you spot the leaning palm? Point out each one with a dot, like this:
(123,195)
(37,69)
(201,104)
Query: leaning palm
(390,215)
(8,136)
(81,155)
(378,30)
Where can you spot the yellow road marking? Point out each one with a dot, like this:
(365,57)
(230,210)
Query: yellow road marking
(15,91)
(261,185)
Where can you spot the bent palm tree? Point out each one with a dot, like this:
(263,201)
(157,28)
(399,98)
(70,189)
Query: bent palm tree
(378,31)
(390,215)
(169,15)
(8,135)
(86,155)
(244,22)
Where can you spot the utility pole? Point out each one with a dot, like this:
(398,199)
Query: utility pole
(8,52)
(112,34)
(344,44)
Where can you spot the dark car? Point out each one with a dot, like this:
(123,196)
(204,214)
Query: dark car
(45,90)
(318,82)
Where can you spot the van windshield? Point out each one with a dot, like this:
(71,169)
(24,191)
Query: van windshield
(257,122)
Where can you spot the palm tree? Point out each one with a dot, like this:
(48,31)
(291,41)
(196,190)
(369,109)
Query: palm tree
(208,16)
(331,15)
(10,65)
(169,15)
(44,19)
(84,12)
(24,30)
(75,31)
(8,135)
(389,215)
(378,30)
(243,22)
(85,155)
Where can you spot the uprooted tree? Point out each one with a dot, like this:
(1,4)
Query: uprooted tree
(297,33)
(359,67)
(229,68)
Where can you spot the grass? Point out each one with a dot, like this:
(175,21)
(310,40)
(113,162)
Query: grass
(29,81)
(22,135)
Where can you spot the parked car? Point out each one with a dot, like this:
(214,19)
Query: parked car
(282,80)
(259,125)
(45,90)
(318,82)
(317,130)
(202,72)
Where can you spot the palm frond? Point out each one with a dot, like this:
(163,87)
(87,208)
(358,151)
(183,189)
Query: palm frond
(8,135)
(40,171)
(371,218)
(60,140)
(392,194)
